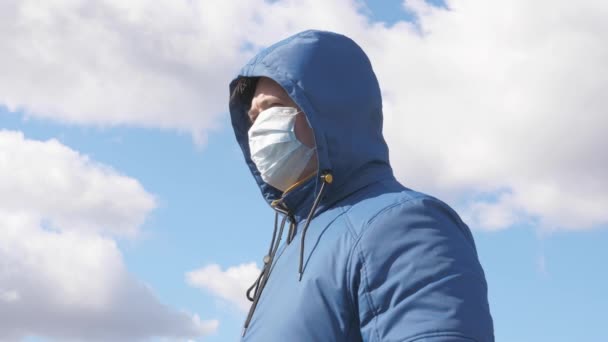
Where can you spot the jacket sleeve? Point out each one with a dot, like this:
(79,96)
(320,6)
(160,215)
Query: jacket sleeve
(415,276)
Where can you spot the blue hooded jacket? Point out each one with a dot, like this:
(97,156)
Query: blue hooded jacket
(380,262)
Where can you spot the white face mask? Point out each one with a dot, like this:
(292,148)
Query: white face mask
(278,154)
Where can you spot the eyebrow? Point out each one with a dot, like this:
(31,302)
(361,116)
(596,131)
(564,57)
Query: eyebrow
(263,104)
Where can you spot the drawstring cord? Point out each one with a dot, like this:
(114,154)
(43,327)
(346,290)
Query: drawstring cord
(327,179)
(292,220)
(266,259)
(260,282)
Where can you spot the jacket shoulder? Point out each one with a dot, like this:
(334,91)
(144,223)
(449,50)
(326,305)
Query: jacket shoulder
(412,258)
(388,203)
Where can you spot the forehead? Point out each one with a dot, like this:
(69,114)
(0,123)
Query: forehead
(267,87)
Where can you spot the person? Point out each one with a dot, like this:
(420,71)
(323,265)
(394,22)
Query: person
(355,255)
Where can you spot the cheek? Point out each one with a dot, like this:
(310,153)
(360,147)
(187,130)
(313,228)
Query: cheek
(303,131)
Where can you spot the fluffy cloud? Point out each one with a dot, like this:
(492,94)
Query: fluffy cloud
(61,273)
(161,64)
(501,100)
(229,285)
(49,180)
(483,99)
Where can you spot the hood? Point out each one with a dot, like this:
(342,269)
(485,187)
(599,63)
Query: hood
(331,79)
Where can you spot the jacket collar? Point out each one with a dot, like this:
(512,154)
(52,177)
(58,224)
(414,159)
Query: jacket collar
(299,199)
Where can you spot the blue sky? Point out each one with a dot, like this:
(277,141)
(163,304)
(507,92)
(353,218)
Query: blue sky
(543,251)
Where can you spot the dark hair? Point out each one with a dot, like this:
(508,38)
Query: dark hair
(244,90)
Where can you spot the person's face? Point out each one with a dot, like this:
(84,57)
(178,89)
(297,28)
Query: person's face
(269,93)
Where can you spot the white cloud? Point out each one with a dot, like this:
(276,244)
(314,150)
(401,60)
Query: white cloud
(498,96)
(492,215)
(155,64)
(483,97)
(229,285)
(65,189)
(62,274)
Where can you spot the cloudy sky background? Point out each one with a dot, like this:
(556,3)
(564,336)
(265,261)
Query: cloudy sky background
(126,212)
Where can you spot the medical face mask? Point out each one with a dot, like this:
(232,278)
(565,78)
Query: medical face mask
(278,154)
